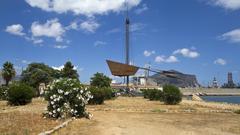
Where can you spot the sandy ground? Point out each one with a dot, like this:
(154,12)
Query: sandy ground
(137,116)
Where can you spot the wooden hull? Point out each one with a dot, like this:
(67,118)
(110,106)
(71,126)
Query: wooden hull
(120,69)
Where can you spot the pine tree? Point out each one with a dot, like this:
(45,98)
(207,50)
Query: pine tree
(69,72)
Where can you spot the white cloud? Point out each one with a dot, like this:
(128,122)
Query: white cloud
(227,4)
(171,59)
(99,43)
(232,36)
(148,53)
(15,29)
(60,46)
(73,25)
(37,41)
(62,66)
(136,27)
(115,30)
(89,26)
(52,28)
(34,40)
(163,59)
(25,62)
(141,9)
(187,53)
(58,68)
(83,7)
(220,61)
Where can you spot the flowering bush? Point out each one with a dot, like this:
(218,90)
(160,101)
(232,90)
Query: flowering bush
(3,92)
(66,97)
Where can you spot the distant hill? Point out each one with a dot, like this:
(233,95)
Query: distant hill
(181,80)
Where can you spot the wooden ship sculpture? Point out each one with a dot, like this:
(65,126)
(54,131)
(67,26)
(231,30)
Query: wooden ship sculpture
(125,69)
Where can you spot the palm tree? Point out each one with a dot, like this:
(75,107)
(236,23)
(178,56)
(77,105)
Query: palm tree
(8,72)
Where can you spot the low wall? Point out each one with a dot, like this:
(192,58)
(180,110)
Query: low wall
(211,92)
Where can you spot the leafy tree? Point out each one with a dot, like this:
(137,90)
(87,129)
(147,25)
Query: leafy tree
(100,80)
(37,73)
(69,72)
(8,72)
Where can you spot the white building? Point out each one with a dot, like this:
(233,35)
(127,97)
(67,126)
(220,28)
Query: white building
(139,80)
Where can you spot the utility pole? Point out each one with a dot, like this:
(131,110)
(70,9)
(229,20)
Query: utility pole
(127,26)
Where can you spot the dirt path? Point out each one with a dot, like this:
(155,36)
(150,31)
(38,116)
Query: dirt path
(136,116)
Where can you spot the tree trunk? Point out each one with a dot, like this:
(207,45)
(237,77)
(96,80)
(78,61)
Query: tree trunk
(7,82)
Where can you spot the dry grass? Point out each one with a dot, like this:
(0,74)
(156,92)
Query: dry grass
(130,116)
(24,120)
(137,116)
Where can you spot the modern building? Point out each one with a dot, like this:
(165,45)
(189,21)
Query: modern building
(180,80)
(230,78)
(230,83)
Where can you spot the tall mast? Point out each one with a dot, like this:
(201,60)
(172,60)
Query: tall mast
(127,25)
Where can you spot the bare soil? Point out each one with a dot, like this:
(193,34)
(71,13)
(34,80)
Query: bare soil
(138,116)
(127,116)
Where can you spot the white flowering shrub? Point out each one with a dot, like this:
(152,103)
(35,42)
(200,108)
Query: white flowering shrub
(66,98)
(3,92)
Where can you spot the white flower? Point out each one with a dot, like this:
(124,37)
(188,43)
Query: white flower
(66,93)
(51,97)
(50,113)
(52,102)
(60,91)
(55,100)
(54,111)
(81,91)
(54,106)
(75,111)
(72,110)
(54,96)
(58,109)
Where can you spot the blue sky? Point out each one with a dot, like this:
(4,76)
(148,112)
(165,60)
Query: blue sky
(200,37)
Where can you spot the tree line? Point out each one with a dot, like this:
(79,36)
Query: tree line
(37,73)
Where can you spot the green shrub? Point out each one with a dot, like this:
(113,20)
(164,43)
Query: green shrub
(145,93)
(3,92)
(100,94)
(237,111)
(172,95)
(153,94)
(20,94)
(109,93)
